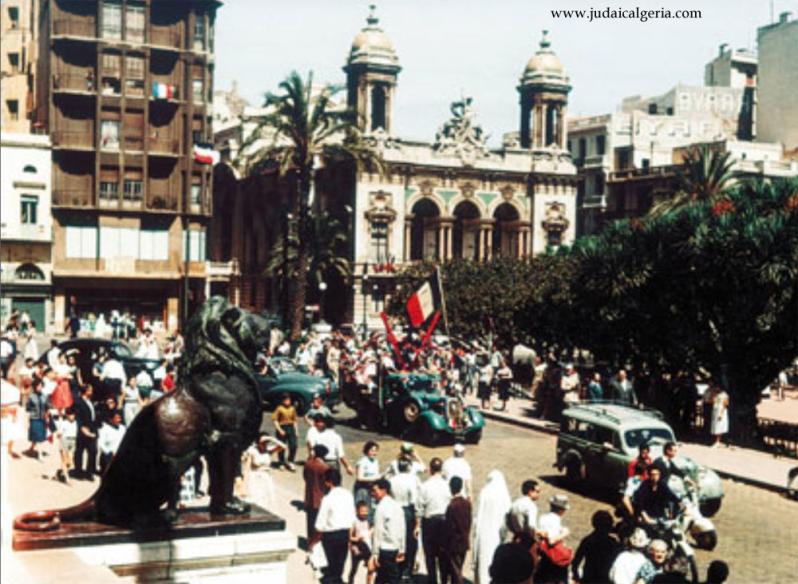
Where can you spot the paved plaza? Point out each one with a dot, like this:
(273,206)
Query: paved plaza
(756,527)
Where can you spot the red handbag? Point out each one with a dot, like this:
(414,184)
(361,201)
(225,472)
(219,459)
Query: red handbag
(558,554)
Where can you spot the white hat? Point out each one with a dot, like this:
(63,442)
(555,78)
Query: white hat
(459,448)
(559,501)
(638,539)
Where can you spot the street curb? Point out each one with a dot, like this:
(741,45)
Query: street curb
(552,429)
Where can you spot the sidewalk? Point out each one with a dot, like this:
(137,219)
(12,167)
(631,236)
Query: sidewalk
(744,465)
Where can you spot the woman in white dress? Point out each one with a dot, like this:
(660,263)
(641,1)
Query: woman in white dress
(489,526)
(257,469)
(720,416)
(31,350)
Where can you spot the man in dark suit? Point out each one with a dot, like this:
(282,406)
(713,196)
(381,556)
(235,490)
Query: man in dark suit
(313,473)
(87,435)
(622,391)
(458,530)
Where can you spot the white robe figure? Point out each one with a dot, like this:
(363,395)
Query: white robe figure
(489,527)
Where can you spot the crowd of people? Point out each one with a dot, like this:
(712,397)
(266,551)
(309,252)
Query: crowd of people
(392,513)
(80,403)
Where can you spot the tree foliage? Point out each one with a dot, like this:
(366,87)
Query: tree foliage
(711,284)
(305,127)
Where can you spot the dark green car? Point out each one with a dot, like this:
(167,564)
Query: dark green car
(413,406)
(301,387)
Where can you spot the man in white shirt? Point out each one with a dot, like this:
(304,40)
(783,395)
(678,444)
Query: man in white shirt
(433,499)
(53,353)
(109,438)
(113,376)
(457,466)
(552,531)
(336,517)
(628,563)
(388,545)
(322,432)
(523,516)
(406,452)
(404,490)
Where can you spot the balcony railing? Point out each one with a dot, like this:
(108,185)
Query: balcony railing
(165,38)
(133,143)
(70,197)
(643,173)
(74,82)
(162,197)
(165,145)
(72,27)
(74,139)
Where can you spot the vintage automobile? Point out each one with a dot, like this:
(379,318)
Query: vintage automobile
(597,442)
(88,351)
(413,406)
(283,378)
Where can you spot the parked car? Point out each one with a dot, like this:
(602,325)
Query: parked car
(283,378)
(89,349)
(413,406)
(597,442)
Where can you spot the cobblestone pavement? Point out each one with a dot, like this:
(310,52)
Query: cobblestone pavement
(757,528)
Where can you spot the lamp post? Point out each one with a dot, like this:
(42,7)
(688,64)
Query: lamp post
(322,290)
(286,278)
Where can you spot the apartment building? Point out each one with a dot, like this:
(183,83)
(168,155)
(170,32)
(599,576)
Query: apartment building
(17,64)
(124,88)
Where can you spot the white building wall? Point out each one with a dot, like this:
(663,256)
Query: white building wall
(778,83)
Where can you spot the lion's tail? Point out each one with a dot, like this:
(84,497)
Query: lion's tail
(51,519)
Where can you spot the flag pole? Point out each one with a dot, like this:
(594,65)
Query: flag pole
(443,300)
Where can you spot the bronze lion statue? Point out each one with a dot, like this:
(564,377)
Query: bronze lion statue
(215,411)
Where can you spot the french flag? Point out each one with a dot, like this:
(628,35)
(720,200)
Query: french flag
(424,302)
(163,90)
(205,154)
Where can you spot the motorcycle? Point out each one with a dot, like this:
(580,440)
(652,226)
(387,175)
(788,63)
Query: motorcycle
(691,520)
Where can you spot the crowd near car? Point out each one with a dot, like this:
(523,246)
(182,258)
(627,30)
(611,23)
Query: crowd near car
(597,442)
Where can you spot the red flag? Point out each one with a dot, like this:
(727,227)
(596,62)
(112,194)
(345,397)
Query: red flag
(392,340)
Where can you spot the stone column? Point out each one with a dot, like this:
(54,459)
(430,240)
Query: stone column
(388,100)
(563,126)
(441,241)
(489,242)
(540,125)
(449,244)
(408,238)
(59,311)
(367,109)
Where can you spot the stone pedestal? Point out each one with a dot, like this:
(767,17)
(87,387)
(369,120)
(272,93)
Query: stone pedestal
(251,548)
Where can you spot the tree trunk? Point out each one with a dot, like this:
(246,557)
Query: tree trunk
(743,402)
(300,276)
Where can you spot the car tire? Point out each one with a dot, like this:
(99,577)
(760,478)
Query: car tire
(710,507)
(474,437)
(706,541)
(411,411)
(301,405)
(428,436)
(573,472)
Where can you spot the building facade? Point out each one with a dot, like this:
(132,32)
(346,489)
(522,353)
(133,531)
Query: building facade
(124,89)
(17,64)
(645,132)
(26,230)
(452,197)
(778,83)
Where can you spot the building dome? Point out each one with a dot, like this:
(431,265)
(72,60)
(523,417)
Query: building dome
(372,45)
(544,66)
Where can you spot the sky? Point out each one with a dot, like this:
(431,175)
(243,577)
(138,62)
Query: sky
(479,48)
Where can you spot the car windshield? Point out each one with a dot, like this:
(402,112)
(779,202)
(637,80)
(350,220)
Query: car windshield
(421,383)
(122,351)
(635,438)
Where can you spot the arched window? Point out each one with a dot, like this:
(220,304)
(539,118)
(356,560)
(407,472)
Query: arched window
(377,107)
(30,168)
(29,272)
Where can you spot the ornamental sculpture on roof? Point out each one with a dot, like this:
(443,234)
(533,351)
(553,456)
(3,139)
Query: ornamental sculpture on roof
(461,136)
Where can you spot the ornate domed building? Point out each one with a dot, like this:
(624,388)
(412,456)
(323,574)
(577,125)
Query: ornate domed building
(451,197)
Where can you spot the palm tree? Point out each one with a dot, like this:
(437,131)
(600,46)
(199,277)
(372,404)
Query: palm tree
(705,175)
(327,238)
(302,129)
